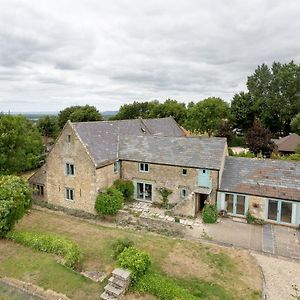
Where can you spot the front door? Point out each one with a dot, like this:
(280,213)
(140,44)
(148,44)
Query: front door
(280,211)
(144,191)
(199,201)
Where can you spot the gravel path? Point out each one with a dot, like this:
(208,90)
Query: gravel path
(280,275)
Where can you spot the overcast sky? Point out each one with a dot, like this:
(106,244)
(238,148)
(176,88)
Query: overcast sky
(105,53)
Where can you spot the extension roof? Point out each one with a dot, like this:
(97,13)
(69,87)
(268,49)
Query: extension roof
(288,143)
(101,139)
(262,177)
(177,151)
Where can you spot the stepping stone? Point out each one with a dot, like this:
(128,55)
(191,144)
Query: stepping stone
(121,273)
(111,290)
(106,296)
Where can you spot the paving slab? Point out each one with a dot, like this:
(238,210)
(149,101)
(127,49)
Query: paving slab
(268,239)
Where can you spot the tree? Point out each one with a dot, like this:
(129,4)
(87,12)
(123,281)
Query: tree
(21,146)
(15,200)
(207,116)
(242,110)
(295,124)
(170,108)
(78,114)
(48,126)
(258,139)
(225,130)
(109,201)
(275,94)
(135,110)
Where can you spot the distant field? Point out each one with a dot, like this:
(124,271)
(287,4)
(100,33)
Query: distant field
(207,271)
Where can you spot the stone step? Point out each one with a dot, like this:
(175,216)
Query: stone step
(116,282)
(116,292)
(121,274)
(106,296)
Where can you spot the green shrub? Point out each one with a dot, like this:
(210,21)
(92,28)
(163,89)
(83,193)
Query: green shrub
(120,245)
(15,200)
(126,187)
(177,219)
(137,261)
(236,141)
(162,287)
(210,213)
(50,243)
(253,220)
(165,192)
(109,202)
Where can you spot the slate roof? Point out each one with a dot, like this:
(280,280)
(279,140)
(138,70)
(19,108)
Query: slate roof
(262,177)
(178,151)
(101,138)
(288,143)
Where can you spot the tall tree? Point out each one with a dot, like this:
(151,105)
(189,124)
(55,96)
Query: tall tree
(242,110)
(21,146)
(78,114)
(170,108)
(207,116)
(295,124)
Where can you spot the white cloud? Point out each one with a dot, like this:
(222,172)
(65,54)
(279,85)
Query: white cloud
(106,53)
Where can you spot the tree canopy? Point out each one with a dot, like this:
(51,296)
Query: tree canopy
(48,126)
(295,124)
(207,116)
(78,114)
(21,146)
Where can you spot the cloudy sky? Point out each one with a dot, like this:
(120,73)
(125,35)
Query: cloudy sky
(59,53)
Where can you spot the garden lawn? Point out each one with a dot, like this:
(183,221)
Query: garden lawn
(206,271)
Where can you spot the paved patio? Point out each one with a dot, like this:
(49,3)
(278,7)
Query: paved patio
(270,239)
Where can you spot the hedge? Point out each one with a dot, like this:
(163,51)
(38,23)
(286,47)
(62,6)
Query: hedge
(162,287)
(15,200)
(50,243)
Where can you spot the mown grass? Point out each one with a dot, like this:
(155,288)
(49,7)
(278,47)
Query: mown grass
(222,276)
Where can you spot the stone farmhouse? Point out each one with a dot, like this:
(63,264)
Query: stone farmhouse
(156,153)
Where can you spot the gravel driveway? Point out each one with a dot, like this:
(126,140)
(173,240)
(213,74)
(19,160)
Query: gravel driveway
(280,275)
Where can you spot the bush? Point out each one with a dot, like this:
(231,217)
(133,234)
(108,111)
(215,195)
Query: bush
(49,243)
(120,245)
(253,220)
(210,213)
(15,200)
(137,261)
(164,192)
(109,202)
(162,287)
(126,187)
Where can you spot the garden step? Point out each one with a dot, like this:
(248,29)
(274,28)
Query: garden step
(106,296)
(116,282)
(121,274)
(111,290)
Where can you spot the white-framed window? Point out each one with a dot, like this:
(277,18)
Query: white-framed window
(183,192)
(184,172)
(143,167)
(70,169)
(68,138)
(69,194)
(116,166)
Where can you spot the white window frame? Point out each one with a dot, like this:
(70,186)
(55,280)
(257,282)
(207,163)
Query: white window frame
(68,194)
(142,167)
(68,168)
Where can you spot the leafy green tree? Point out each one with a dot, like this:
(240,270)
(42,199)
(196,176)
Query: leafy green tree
(275,94)
(295,124)
(258,139)
(135,110)
(109,201)
(207,115)
(78,114)
(48,126)
(170,108)
(15,200)
(242,110)
(21,146)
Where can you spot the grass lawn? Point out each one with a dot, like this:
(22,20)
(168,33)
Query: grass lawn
(207,271)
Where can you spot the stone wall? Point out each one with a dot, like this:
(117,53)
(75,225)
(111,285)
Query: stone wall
(170,177)
(256,206)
